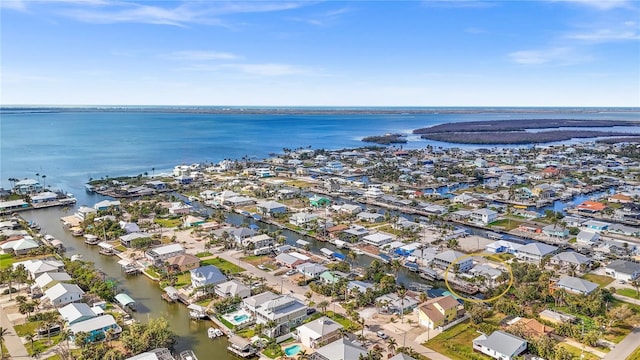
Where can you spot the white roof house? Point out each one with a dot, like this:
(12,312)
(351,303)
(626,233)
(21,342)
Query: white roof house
(76,312)
(37,267)
(500,345)
(232,288)
(587,237)
(164,252)
(47,279)
(156,354)
(317,332)
(62,294)
(378,239)
(96,327)
(20,247)
(534,252)
(576,285)
(339,349)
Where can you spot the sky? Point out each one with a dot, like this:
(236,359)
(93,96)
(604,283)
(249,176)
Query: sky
(320,53)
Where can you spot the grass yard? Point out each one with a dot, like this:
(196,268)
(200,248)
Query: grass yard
(347,323)
(456,342)
(599,279)
(6,260)
(577,352)
(152,272)
(506,224)
(27,328)
(223,265)
(299,183)
(42,345)
(183,280)
(247,333)
(256,260)
(203,254)
(632,293)
(168,223)
(634,355)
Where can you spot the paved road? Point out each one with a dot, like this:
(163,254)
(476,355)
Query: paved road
(298,291)
(627,299)
(11,341)
(625,347)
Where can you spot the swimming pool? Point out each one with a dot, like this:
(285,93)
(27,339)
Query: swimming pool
(240,318)
(292,350)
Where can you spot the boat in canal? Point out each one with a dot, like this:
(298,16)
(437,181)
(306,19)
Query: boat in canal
(90,239)
(187,355)
(213,332)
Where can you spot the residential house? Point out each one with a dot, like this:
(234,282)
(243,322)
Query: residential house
(370,217)
(269,208)
(502,246)
(253,302)
(463,199)
(27,186)
(311,270)
(378,239)
(62,293)
(192,221)
(556,231)
(239,201)
(127,240)
(393,304)
(575,285)
(530,327)
(318,333)
(569,259)
(96,328)
(439,311)
(341,349)
(286,311)
(39,267)
(258,242)
(620,198)
(205,276)
(76,312)
(350,209)
(184,262)
(156,354)
(586,237)
(556,317)
(47,280)
(21,246)
(301,219)
(156,185)
(162,253)
(446,258)
(529,227)
(288,260)
(319,201)
(500,345)
(231,289)
(180,208)
(591,207)
(359,286)
(106,204)
(129,227)
(44,197)
(623,270)
(594,225)
(84,212)
(535,252)
(484,216)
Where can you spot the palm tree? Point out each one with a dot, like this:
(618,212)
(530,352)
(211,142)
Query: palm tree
(402,294)
(44,177)
(395,265)
(302,355)
(392,345)
(3,333)
(31,338)
(453,244)
(636,285)
(323,305)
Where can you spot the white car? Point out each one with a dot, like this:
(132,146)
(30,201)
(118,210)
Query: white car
(262,267)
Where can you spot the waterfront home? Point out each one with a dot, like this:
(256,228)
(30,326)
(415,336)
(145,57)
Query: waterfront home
(179,208)
(556,231)
(223,196)
(353,233)
(84,212)
(502,246)
(340,349)
(439,311)
(378,239)
(106,204)
(44,197)
(253,302)
(586,237)
(288,260)
(463,199)
(238,234)
(486,273)
(76,312)
(127,240)
(359,286)
(192,221)
(20,247)
(270,208)
(331,277)
(594,225)
(574,285)
(239,201)
(311,270)
(162,253)
(623,230)
(206,276)
(259,242)
(27,186)
(302,218)
(535,252)
(569,259)
(6,206)
(573,221)
(591,207)
(556,317)
(38,267)
(318,332)
(156,354)
(48,279)
(374,192)
(232,288)
(129,227)
(500,345)
(184,262)
(207,195)
(319,201)
(623,270)
(393,304)
(285,194)
(156,185)
(63,293)
(370,217)
(350,209)
(286,311)
(96,328)
(620,198)
(184,179)
(446,258)
(484,216)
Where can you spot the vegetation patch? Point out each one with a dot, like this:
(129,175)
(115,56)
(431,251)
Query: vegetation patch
(169,222)
(576,353)
(599,279)
(223,265)
(27,328)
(634,355)
(505,224)
(203,254)
(628,293)
(6,260)
(456,342)
(347,323)
(386,139)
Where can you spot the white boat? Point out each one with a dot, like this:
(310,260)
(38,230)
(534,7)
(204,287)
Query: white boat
(188,355)
(214,333)
(76,257)
(358,251)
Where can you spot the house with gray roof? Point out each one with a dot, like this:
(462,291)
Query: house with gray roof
(76,312)
(47,280)
(286,311)
(318,332)
(359,286)
(253,302)
(205,276)
(500,345)
(569,259)
(156,354)
(576,285)
(586,237)
(535,252)
(231,289)
(623,270)
(341,349)
(446,258)
(61,294)
(394,304)
(269,208)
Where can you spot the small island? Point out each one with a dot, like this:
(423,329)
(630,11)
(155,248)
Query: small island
(516,131)
(386,139)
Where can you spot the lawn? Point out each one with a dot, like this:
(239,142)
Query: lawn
(6,260)
(577,352)
(152,273)
(505,224)
(634,355)
(203,254)
(27,328)
(347,323)
(599,279)
(299,183)
(183,279)
(168,223)
(42,345)
(247,333)
(628,292)
(456,342)
(223,265)
(256,259)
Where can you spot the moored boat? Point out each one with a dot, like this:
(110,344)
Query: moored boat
(213,332)
(187,355)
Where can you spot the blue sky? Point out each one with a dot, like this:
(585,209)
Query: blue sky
(400,53)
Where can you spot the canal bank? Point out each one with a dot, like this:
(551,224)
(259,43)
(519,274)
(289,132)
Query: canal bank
(191,334)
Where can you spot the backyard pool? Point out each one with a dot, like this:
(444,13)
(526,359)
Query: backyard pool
(292,350)
(237,317)
(240,318)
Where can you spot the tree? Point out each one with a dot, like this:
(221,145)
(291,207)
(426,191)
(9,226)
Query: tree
(3,332)
(636,285)
(391,345)
(31,338)
(453,244)
(402,294)
(619,313)
(323,305)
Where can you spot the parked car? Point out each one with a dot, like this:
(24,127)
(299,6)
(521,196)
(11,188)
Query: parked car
(382,335)
(311,311)
(262,267)
(291,272)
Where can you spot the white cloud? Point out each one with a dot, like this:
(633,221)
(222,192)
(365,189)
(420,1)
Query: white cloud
(599,4)
(199,55)
(259,69)
(18,5)
(606,35)
(559,56)
(325,18)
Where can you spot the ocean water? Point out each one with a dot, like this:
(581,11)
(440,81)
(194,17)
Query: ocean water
(72,146)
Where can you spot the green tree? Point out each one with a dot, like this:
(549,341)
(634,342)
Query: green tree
(3,332)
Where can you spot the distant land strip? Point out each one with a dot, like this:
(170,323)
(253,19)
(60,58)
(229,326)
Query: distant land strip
(521,125)
(616,140)
(519,137)
(256,110)
(386,139)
